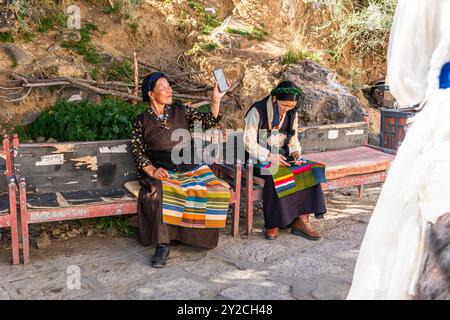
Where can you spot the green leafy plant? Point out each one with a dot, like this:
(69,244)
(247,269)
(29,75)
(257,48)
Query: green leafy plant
(23,11)
(238,31)
(133,26)
(335,56)
(254,34)
(95,72)
(50,21)
(122,6)
(296,55)
(91,26)
(208,21)
(84,46)
(44,15)
(84,121)
(355,75)
(210,46)
(182,26)
(28,36)
(258,34)
(6,36)
(112,10)
(120,71)
(120,224)
(194,50)
(363,24)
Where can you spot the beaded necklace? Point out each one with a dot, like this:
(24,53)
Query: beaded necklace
(164,119)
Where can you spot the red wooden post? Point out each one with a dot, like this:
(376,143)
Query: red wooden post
(13,213)
(249,198)
(24,221)
(7,151)
(237,181)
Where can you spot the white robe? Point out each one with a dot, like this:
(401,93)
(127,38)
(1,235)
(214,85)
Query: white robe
(417,188)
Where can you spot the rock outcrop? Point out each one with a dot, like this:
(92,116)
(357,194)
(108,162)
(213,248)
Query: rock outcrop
(323,100)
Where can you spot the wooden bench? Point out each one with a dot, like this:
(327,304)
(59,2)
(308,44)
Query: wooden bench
(77,180)
(8,207)
(342,148)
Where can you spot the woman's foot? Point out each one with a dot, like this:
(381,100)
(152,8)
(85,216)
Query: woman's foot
(302,227)
(271,234)
(161,256)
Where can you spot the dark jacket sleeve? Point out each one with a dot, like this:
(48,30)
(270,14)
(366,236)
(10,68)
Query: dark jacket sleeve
(206,118)
(138,146)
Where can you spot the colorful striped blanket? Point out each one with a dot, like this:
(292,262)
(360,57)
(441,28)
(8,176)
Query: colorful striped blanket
(195,199)
(291,179)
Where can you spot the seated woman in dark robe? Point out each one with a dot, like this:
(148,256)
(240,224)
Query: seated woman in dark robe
(152,148)
(271,136)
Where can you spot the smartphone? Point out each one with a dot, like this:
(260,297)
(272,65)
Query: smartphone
(221,81)
(292,161)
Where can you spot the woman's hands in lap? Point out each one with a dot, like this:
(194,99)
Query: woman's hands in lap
(278,160)
(160,173)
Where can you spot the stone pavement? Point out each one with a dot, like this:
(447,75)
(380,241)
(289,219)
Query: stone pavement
(115,267)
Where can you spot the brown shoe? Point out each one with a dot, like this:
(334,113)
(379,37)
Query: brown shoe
(302,227)
(271,234)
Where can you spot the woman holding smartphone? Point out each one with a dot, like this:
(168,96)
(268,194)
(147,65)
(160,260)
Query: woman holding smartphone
(152,148)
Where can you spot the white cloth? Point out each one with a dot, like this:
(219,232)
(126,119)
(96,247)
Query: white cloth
(417,188)
(259,150)
(418,28)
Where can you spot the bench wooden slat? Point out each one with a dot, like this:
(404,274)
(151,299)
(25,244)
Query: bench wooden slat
(83,212)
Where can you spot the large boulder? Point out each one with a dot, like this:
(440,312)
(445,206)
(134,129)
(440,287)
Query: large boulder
(18,54)
(323,100)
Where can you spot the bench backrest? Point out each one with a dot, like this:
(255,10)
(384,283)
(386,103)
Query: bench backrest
(322,138)
(75,166)
(333,137)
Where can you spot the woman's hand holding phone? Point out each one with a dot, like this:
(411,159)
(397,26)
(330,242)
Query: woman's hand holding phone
(278,160)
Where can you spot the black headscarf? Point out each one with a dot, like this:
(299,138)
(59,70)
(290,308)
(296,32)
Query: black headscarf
(149,83)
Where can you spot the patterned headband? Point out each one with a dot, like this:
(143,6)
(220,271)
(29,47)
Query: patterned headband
(281,90)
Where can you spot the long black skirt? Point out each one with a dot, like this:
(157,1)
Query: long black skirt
(281,212)
(152,230)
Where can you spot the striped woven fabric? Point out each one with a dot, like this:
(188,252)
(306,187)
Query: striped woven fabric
(288,180)
(195,199)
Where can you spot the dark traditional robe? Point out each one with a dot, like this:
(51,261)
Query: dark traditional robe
(151,144)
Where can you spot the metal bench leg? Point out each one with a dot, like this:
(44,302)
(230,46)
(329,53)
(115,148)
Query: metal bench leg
(24,221)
